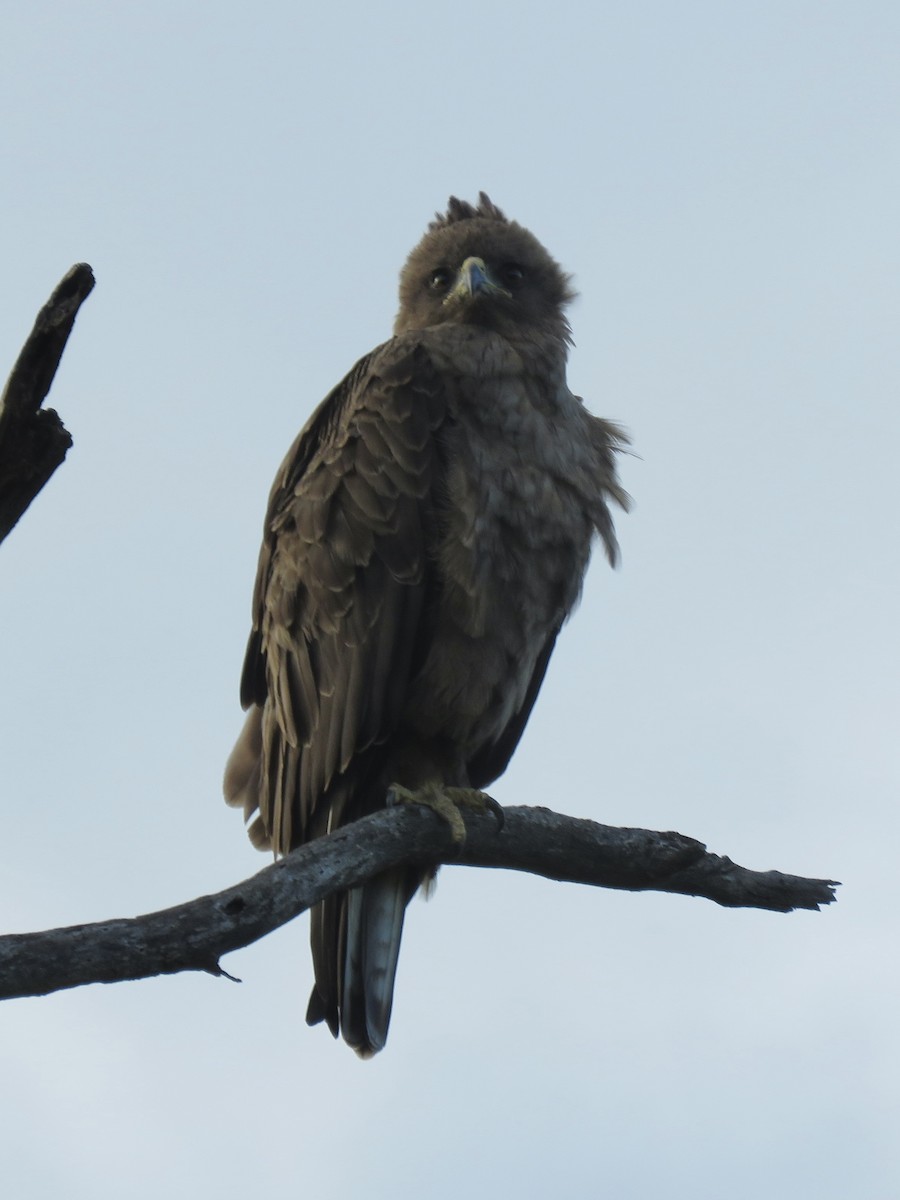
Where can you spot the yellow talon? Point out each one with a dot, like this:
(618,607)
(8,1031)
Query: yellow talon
(446,802)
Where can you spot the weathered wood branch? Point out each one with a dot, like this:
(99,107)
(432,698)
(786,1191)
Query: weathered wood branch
(33,440)
(194,936)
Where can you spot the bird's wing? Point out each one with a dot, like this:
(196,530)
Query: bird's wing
(342,594)
(492,759)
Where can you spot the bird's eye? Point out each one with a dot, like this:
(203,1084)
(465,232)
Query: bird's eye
(438,279)
(512,273)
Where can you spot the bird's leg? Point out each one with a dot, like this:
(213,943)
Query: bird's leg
(446,802)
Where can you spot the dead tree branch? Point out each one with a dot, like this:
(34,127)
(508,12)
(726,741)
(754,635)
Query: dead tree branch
(33,440)
(194,936)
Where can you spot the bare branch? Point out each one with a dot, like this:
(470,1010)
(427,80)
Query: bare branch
(193,936)
(33,440)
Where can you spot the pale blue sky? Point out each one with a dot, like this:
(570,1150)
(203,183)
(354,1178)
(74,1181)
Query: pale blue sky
(246,181)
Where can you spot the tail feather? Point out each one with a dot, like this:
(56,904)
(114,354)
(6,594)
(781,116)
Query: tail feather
(326,920)
(356,945)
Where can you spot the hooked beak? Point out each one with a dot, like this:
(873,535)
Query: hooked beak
(474,280)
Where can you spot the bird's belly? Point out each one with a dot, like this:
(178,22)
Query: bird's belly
(510,577)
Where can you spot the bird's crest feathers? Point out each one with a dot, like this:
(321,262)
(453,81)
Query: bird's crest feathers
(462,210)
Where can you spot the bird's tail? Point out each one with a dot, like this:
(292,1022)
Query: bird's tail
(356,943)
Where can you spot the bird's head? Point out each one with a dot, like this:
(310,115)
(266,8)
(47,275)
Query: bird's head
(475,267)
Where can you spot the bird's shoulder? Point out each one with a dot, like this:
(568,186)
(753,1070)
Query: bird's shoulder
(381,384)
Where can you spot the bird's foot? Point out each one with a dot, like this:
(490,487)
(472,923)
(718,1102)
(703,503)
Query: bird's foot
(447,802)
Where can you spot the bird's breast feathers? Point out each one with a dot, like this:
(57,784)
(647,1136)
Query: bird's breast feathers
(521,482)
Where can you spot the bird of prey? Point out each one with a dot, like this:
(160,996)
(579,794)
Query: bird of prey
(426,537)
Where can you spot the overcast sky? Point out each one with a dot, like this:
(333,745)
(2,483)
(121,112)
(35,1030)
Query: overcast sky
(246,180)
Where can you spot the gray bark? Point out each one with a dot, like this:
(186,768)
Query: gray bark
(33,440)
(194,936)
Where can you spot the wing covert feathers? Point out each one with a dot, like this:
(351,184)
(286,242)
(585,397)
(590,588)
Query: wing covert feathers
(340,588)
